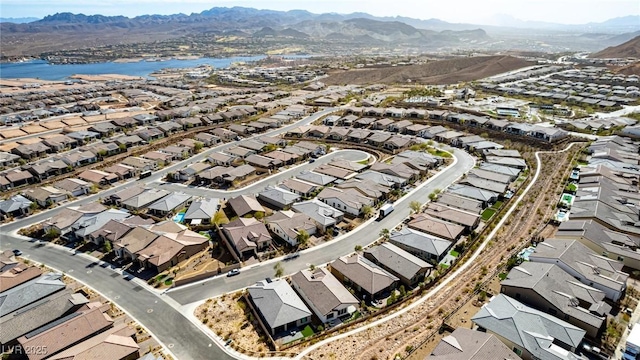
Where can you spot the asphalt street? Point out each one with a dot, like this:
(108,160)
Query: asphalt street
(166,322)
(363,235)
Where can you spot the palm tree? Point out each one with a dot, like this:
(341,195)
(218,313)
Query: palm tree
(279,270)
(385,234)
(219,218)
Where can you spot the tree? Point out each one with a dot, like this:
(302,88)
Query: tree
(357,248)
(403,291)
(312,267)
(385,233)
(197,146)
(367,211)
(219,218)
(415,206)
(302,238)
(279,270)
(107,246)
(52,233)
(434,195)
(259,215)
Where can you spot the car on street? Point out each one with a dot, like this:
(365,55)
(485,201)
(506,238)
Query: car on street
(17,252)
(312,161)
(233,272)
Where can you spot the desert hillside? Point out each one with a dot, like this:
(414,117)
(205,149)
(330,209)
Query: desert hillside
(436,72)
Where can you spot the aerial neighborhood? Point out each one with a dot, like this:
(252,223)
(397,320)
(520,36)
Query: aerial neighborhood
(420,190)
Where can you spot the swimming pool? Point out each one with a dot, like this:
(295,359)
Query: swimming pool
(524,254)
(179,218)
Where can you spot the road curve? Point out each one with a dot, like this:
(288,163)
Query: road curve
(448,279)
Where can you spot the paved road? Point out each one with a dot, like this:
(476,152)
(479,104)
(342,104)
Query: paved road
(363,235)
(166,322)
(351,155)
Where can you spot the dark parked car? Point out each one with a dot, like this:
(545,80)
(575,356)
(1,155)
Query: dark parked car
(17,252)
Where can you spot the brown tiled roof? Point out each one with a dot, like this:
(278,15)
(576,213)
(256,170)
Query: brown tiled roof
(18,275)
(55,338)
(440,228)
(160,251)
(114,344)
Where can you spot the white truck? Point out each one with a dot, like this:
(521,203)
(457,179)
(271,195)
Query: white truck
(385,210)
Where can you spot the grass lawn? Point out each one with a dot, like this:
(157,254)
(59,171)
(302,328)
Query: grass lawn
(440,153)
(205,234)
(502,276)
(307,331)
(454,253)
(169,281)
(443,266)
(497,205)
(487,214)
(364,162)
(572,187)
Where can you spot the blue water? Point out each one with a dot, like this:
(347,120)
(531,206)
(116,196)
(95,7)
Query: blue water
(524,254)
(42,70)
(179,218)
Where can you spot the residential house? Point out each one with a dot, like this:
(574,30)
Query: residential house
(322,214)
(358,136)
(517,163)
(112,231)
(79,158)
(39,314)
(584,265)
(467,344)
(128,141)
(426,247)
(27,293)
(202,211)
(335,172)
(169,204)
(277,197)
(161,158)
(98,177)
(400,126)
(240,152)
(66,332)
(399,170)
(45,195)
(318,131)
(316,178)
(324,294)
(263,162)
(532,334)
(221,159)
(487,197)
(367,188)
(436,227)
(247,236)
(488,175)
(140,164)
(31,151)
(387,180)
(75,187)
(88,223)
(278,307)
(118,342)
(338,133)
(382,124)
(601,240)
(191,171)
(245,204)
(144,199)
(302,188)
(378,139)
(366,278)
(548,288)
(408,268)
(288,225)
(150,134)
(484,184)
(206,139)
(126,247)
(224,134)
(15,206)
(459,202)
(348,200)
(505,170)
(63,221)
(167,251)
(439,211)
(397,142)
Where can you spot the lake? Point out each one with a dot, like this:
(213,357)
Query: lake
(43,70)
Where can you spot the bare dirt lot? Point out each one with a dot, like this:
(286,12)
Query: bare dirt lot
(437,72)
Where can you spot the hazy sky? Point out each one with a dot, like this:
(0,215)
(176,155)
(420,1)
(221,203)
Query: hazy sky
(469,11)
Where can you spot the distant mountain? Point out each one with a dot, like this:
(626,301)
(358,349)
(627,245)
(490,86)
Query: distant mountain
(630,48)
(22,20)
(617,25)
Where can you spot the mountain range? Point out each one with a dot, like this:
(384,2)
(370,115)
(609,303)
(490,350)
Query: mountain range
(74,31)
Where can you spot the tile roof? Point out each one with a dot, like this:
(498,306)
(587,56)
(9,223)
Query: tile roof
(397,260)
(322,290)
(277,302)
(364,273)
